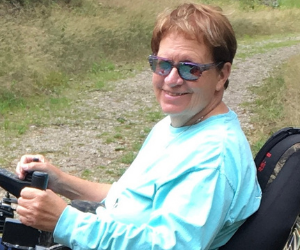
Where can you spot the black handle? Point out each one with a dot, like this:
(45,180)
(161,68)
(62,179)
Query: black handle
(39,180)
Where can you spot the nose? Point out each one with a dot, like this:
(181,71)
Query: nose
(173,78)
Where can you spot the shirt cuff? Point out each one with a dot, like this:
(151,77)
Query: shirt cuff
(65,229)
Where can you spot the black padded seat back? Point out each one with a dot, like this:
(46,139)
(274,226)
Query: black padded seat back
(278,164)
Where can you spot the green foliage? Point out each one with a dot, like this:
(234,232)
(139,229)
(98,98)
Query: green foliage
(267,109)
(289,3)
(9,101)
(249,4)
(17,128)
(257,145)
(268,106)
(128,158)
(86,174)
(263,44)
(53,82)
(154,116)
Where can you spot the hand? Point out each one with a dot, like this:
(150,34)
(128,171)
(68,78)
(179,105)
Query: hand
(40,209)
(24,166)
(30,163)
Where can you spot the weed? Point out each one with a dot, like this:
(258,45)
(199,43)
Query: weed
(109,172)
(86,174)
(121,171)
(9,101)
(128,158)
(154,116)
(109,140)
(118,136)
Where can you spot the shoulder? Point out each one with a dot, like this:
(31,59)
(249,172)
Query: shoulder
(222,144)
(219,133)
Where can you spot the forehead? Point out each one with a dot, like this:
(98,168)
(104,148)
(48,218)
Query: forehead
(178,47)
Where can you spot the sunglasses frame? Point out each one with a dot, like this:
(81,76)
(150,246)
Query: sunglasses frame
(202,67)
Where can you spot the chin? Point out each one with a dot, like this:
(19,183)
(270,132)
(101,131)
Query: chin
(172,110)
(172,113)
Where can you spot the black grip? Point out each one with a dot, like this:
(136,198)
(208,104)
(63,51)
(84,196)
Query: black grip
(39,180)
(11,183)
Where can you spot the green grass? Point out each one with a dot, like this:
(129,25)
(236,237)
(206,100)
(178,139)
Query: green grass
(86,174)
(289,3)
(128,158)
(251,46)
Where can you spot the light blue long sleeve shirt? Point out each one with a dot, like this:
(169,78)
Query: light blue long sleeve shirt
(188,188)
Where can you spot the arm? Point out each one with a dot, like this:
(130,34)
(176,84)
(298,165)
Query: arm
(186,214)
(75,188)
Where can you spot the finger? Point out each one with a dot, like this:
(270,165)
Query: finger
(20,209)
(22,166)
(36,164)
(32,158)
(19,171)
(22,169)
(28,193)
(26,220)
(25,216)
(27,159)
(38,158)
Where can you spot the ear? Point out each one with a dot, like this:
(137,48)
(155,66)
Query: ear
(223,76)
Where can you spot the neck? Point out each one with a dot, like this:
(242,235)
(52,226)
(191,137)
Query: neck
(217,108)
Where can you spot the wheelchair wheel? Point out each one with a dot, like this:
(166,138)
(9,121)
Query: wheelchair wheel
(293,242)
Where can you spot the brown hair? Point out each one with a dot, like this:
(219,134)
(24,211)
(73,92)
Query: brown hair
(205,23)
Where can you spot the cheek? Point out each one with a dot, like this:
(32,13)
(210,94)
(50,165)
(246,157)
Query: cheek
(202,92)
(198,100)
(156,84)
(157,80)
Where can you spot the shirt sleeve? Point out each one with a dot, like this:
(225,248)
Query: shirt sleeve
(188,212)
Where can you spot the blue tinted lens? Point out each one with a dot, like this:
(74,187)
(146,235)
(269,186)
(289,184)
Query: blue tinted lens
(163,67)
(189,72)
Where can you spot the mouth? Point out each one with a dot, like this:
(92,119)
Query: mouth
(175,94)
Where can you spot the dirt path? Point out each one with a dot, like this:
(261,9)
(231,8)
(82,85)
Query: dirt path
(76,146)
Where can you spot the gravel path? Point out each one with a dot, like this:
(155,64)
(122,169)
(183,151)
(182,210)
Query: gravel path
(75,143)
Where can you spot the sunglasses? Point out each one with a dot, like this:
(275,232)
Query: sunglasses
(187,70)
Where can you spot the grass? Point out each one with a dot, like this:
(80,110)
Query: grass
(251,46)
(277,103)
(289,3)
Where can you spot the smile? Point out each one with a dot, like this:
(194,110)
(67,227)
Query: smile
(175,94)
